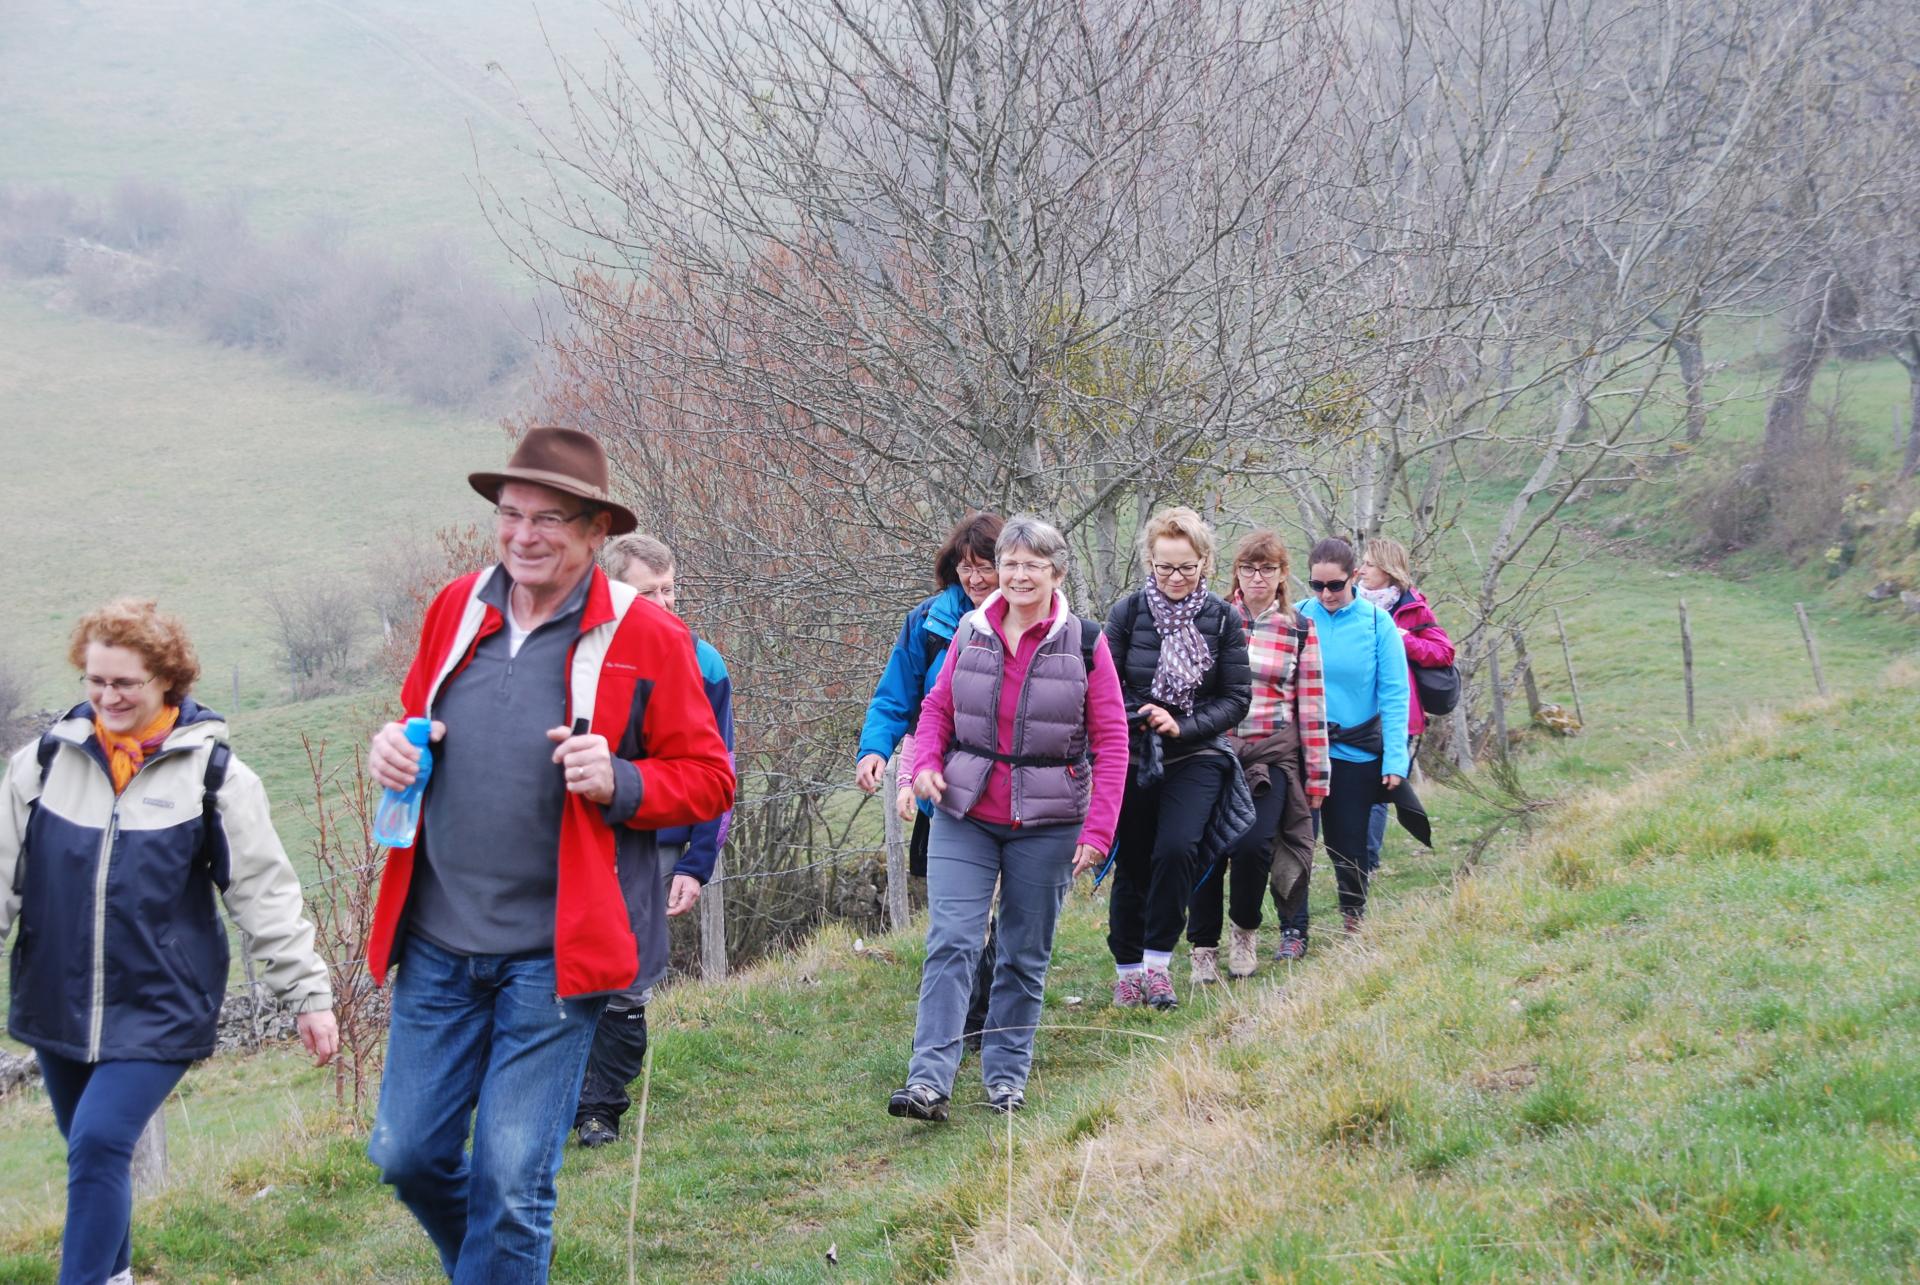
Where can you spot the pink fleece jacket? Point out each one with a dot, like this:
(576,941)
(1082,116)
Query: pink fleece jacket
(1106,730)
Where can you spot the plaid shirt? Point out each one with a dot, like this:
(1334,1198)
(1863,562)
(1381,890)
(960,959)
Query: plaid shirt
(1286,692)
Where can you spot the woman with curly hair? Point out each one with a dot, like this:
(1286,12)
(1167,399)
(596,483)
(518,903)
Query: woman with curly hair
(118,829)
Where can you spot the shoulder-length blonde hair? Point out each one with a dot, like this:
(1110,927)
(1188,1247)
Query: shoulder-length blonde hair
(1179,523)
(1390,556)
(140,626)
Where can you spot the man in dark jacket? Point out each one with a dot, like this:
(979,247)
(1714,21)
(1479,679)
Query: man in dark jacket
(688,856)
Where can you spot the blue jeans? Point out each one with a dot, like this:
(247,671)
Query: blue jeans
(480,1038)
(1034,866)
(101,1107)
(1376,836)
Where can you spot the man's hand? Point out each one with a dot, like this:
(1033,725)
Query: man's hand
(930,785)
(1085,858)
(587,761)
(682,895)
(866,773)
(320,1035)
(903,803)
(1160,720)
(393,760)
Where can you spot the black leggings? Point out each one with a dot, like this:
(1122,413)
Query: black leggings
(1153,866)
(1343,828)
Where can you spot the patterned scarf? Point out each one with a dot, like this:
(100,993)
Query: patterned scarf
(126,753)
(1386,597)
(1184,658)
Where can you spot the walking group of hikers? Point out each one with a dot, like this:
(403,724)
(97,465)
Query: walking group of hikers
(581,784)
(1192,747)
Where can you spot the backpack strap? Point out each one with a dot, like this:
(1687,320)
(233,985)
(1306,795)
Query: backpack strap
(44,752)
(1089,639)
(214,855)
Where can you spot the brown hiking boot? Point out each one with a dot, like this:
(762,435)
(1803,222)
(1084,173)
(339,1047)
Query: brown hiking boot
(1206,965)
(1243,951)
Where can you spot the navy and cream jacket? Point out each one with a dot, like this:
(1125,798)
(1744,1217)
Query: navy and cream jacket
(119,951)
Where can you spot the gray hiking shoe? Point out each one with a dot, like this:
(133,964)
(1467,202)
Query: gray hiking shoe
(1206,965)
(1243,951)
(1160,990)
(1005,1099)
(1129,990)
(918,1102)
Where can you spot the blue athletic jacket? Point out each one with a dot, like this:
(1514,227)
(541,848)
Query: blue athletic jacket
(910,675)
(702,842)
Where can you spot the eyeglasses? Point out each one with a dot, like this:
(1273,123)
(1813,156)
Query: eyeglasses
(1259,571)
(1329,586)
(119,686)
(1025,568)
(976,570)
(1176,571)
(545,523)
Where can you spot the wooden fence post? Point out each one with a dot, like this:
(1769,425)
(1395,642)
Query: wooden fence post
(1499,699)
(1686,657)
(1813,649)
(1524,663)
(150,1155)
(899,906)
(1567,652)
(713,925)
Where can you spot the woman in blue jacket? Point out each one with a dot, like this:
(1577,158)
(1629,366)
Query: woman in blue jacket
(1367,692)
(965,571)
(966,574)
(121,828)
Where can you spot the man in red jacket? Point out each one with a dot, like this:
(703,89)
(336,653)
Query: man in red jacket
(569,723)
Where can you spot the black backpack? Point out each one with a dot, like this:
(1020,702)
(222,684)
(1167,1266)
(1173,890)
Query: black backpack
(213,856)
(1438,688)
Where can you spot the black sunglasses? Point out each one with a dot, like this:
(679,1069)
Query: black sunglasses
(1328,586)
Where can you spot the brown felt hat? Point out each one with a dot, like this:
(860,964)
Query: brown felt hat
(566,460)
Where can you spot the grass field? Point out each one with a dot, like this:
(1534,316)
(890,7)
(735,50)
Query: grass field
(141,461)
(377,112)
(1675,1037)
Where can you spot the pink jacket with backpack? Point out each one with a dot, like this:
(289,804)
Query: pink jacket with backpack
(1428,647)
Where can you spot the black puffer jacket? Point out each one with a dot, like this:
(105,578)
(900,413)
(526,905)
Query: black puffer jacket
(1221,700)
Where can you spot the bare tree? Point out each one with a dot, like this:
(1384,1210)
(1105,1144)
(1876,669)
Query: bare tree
(317,624)
(1017,255)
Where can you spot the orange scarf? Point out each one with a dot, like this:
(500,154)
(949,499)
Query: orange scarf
(125,754)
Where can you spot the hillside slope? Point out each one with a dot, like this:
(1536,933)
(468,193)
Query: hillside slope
(1679,1035)
(1676,1034)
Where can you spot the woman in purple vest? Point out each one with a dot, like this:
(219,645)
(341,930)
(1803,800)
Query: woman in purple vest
(1022,747)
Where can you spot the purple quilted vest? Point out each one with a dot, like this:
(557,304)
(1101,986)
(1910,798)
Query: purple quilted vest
(1052,779)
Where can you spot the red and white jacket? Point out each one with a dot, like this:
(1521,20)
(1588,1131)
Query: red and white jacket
(633,676)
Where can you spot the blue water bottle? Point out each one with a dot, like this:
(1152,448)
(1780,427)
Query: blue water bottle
(398,817)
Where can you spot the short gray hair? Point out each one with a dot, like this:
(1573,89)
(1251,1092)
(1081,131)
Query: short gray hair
(1037,536)
(623,551)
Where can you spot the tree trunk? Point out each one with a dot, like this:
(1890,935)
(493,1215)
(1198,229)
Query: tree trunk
(1693,374)
(1807,346)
